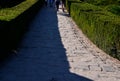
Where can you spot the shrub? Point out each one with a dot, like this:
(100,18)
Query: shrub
(15,22)
(7,14)
(9,3)
(102,2)
(115,9)
(101,26)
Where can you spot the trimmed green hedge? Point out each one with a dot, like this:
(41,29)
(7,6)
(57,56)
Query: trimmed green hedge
(13,28)
(9,3)
(101,26)
(115,9)
(7,14)
(102,2)
(110,5)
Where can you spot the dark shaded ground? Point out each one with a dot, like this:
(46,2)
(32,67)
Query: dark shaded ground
(41,56)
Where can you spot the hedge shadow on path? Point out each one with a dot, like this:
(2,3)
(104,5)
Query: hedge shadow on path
(41,56)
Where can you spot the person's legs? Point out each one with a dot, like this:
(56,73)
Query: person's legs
(51,3)
(48,2)
(57,5)
(45,2)
(63,5)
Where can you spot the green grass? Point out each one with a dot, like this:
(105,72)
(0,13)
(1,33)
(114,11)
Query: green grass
(7,14)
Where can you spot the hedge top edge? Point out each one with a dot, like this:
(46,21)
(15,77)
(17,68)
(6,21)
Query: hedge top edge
(7,14)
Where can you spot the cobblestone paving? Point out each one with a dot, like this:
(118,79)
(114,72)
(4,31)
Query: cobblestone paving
(85,58)
(54,49)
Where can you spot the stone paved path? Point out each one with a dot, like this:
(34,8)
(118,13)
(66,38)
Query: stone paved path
(54,49)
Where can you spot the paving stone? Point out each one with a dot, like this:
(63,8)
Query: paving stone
(95,68)
(108,68)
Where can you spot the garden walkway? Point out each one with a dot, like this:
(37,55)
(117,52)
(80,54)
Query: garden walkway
(54,49)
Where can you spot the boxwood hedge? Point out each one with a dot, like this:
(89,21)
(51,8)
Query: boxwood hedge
(100,25)
(14,22)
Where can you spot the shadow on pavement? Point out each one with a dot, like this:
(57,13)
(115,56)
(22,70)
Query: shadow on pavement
(41,56)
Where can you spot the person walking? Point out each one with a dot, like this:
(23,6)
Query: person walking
(57,2)
(46,2)
(50,2)
(63,5)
